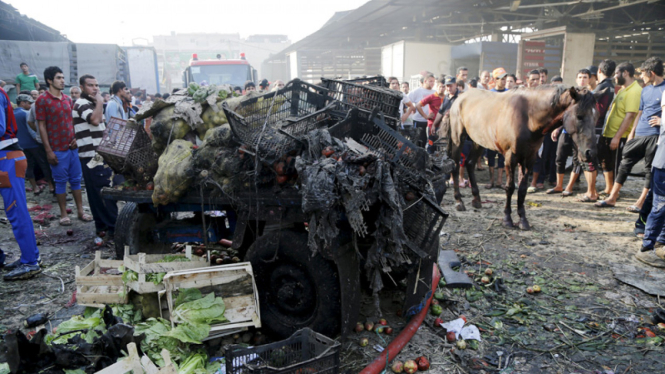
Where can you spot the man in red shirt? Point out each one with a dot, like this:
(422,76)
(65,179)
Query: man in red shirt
(54,115)
(433,102)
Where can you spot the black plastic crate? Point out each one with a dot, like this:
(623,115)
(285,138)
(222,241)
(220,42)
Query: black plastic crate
(423,220)
(377,80)
(126,148)
(296,100)
(297,127)
(304,352)
(364,97)
(410,161)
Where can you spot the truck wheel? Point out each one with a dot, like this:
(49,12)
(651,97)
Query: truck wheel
(295,289)
(133,228)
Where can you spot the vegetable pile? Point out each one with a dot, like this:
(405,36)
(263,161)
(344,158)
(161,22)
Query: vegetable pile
(98,338)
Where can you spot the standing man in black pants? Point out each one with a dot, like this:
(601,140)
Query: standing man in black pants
(88,118)
(416,96)
(643,139)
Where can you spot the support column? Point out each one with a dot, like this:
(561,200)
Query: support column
(578,51)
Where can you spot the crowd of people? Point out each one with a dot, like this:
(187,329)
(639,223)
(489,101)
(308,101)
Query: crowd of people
(629,104)
(50,139)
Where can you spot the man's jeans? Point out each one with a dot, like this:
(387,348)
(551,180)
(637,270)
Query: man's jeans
(653,231)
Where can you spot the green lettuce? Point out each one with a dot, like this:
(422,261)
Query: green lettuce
(208,310)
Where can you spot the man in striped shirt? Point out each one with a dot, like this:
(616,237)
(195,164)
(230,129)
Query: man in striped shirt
(88,118)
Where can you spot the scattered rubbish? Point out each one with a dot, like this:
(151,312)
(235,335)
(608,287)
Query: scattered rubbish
(454,279)
(531,203)
(644,278)
(35,320)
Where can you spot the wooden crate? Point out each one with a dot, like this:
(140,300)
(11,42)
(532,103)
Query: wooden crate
(234,283)
(148,264)
(96,289)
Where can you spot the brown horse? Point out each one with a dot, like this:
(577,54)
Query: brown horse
(514,123)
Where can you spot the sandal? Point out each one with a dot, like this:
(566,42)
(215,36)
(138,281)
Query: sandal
(587,199)
(531,189)
(85,217)
(552,191)
(29,189)
(567,193)
(634,209)
(65,221)
(603,204)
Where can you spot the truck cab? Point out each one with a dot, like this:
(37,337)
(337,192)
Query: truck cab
(234,72)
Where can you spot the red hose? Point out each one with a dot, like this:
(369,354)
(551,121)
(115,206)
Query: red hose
(395,347)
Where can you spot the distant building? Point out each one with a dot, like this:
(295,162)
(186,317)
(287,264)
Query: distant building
(174,52)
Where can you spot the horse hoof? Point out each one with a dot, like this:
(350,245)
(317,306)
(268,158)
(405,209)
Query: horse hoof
(508,223)
(460,207)
(476,204)
(524,225)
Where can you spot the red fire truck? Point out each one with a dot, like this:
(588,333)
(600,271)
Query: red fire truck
(219,71)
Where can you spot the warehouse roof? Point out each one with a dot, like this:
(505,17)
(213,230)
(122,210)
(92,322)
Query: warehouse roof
(382,22)
(15,26)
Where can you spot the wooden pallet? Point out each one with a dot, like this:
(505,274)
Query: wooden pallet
(234,283)
(96,289)
(148,264)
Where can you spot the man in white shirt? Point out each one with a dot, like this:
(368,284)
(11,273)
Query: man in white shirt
(425,89)
(484,83)
(394,85)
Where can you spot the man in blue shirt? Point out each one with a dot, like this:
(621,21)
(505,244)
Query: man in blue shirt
(25,140)
(643,139)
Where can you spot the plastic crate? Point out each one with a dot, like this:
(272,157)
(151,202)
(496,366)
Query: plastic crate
(413,134)
(364,97)
(299,127)
(423,221)
(297,99)
(377,80)
(126,148)
(304,352)
(410,161)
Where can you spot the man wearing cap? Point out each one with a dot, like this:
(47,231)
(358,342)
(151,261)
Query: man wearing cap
(263,85)
(34,152)
(13,167)
(500,76)
(593,77)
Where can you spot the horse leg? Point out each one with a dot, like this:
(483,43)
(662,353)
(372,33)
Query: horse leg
(455,155)
(521,195)
(510,188)
(474,155)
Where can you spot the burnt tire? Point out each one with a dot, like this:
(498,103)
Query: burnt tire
(134,229)
(295,289)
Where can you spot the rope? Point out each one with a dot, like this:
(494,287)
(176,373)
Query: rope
(385,370)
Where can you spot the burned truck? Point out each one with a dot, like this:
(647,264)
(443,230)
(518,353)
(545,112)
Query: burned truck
(313,184)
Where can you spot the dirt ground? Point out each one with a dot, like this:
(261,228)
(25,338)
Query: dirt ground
(583,321)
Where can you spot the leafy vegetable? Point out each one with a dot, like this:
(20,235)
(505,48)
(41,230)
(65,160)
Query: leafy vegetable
(129,275)
(194,364)
(155,330)
(190,333)
(188,294)
(128,314)
(208,310)
(88,328)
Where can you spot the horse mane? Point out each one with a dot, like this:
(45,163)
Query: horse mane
(585,102)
